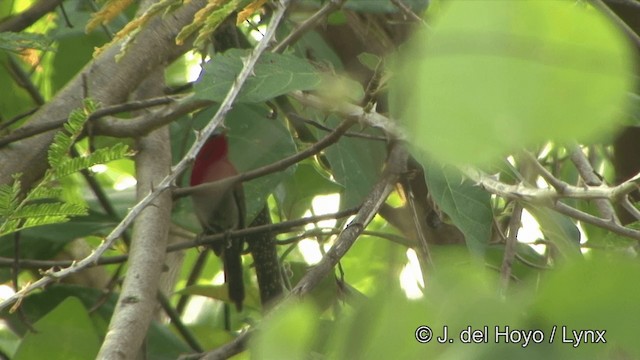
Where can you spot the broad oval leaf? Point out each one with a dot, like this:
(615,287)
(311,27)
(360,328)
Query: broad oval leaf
(65,333)
(467,205)
(356,164)
(494,76)
(274,75)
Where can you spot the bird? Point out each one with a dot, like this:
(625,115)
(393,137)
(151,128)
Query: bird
(220,209)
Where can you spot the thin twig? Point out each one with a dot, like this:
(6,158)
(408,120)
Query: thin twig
(174,316)
(510,248)
(629,3)
(627,205)
(311,22)
(23,20)
(32,130)
(348,110)
(588,218)
(557,184)
(295,117)
(408,12)
(598,4)
(280,227)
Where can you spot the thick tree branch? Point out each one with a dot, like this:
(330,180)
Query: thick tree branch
(137,300)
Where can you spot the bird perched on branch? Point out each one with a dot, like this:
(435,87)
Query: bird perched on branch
(220,209)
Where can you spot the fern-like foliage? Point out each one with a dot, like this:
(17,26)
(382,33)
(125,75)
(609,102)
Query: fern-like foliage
(17,42)
(205,21)
(42,205)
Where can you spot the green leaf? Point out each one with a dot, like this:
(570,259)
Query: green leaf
(70,166)
(596,294)
(494,76)
(50,209)
(63,140)
(290,333)
(468,206)
(65,333)
(559,229)
(9,197)
(16,42)
(356,164)
(296,192)
(273,75)
(256,141)
(162,343)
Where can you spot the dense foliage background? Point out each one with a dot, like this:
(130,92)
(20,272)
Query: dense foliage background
(465,169)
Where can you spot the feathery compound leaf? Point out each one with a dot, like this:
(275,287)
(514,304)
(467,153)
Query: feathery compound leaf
(63,140)
(32,215)
(100,156)
(206,21)
(43,192)
(9,226)
(9,196)
(43,220)
(16,42)
(50,209)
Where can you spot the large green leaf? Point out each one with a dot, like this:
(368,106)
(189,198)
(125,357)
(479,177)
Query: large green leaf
(65,333)
(162,343)
(356,164)
(256,141)
(273,75)
(494,76)
(600,294)
(296,193)
(290,335)
(467,205)
(559,229)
